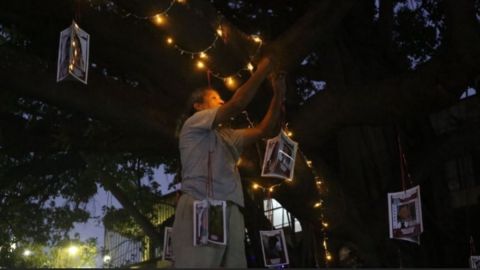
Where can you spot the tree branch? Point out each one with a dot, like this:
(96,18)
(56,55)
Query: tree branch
(431,87)
(110,185)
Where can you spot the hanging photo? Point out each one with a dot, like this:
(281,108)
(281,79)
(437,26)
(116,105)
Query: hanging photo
(274,248)
(200,222)
(73,54)
(167,244)
(405,215)
(209,222)
(279,160)
(475,262)
(217,220)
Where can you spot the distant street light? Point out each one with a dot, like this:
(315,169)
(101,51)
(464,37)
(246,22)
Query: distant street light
(72,250)
(107,259)
(27,252)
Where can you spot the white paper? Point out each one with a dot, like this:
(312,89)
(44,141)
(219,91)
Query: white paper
(475,262)
(274,248)
(217,222)
(200,223)
(280,154)
(209,222)
(405,215)
(167,244)
(73,54)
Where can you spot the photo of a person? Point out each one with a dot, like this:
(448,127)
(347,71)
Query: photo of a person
(63,54)
(73,53)
(77,59)
(272,159)
(279,157)
(475,262)
(406,215)
(216,222)
(167,244)
(201,223)
(274,248)
(286,158)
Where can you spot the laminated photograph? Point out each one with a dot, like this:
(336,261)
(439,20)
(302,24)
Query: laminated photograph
(274,248)
(200,222)
(73,54)
(217,220)
(209,222)
(279,160)
(167,244)
(405,215)
(475,262)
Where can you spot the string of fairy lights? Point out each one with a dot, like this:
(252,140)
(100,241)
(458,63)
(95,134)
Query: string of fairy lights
(199,56)
(319,204)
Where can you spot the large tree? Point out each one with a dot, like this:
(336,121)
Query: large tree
(360,72)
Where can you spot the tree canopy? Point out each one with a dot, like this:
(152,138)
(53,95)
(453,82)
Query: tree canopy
(358,71)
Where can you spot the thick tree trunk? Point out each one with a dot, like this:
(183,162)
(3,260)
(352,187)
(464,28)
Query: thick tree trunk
(368,166)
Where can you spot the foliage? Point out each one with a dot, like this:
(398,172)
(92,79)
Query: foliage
(118,220)
(418,30)
(269,18)
(48,176)
(85,256)
(34,255)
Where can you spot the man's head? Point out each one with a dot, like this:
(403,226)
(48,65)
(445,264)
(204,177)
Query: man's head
(206,98)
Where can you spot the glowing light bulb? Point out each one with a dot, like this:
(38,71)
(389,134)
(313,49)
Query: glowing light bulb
(317,204)
(309,163)
(325,224)
(289,179)
(289,133)
(255,186)
(219,31)
(257,39)
(203,55)
(270,189)
(200,65)
(159,19)
(329,257)
(250,66)
(230,82)
(27,253)
(169,40)
(181,1)
(107,258)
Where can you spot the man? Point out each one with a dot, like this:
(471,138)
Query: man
(209,153)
